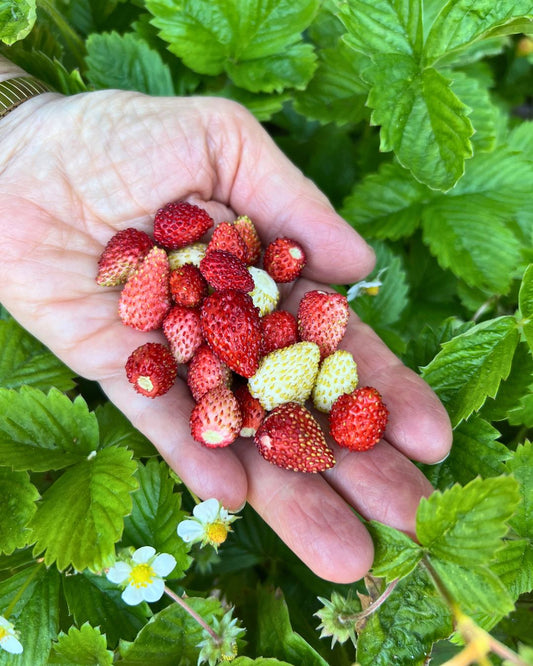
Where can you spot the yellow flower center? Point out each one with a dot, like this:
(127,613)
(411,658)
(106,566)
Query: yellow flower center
(3,633)
(141,575)
(217,532)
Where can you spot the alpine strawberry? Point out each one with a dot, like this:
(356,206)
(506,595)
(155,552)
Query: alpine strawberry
(226,237)
(337,375)
(265,293)
(284,259)
(224,270)
(183,330)
(290,437)
(188,286)
(279,329)
(322,318)
(231,327)
(145,299)
(180,223)
(205,371)
(357,420)
(252,411)
(121,256)
(190,254)
(152,369)
(216,418)
(248,233)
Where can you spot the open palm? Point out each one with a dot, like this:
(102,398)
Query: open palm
(76,170)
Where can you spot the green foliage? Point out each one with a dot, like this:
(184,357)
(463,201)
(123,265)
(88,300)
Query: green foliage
(414,118)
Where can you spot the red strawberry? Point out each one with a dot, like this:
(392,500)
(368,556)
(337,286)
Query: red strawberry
(205,371)
(231,327)
(151,369)
(224,270)
(251,410)
(284,259)
(290,437)
(216,418)
(226,237)
(183,330)
(279,329)
(180,223)
(322,319)
(145,300)
(122,255)
(248,233)
(357,420)
(188,286)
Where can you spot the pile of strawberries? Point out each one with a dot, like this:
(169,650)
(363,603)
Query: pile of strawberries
(251,368)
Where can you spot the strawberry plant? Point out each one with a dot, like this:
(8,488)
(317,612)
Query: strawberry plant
(414,118)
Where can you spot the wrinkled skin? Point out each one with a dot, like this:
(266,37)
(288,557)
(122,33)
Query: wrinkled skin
(76,170)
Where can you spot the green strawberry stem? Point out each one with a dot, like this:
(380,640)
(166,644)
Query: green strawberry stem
(181,602)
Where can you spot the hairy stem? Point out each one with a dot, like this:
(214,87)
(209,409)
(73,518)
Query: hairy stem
(181,602)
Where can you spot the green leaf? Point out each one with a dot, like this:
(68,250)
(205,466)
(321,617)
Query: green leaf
(336,93)
(117,430)
(42,431)
(521,467)
(462,22)
(92,598)
(25,361)
(128,63)
(16,19)
(33,596)
(17,499)
(253,41)
(475,452)
(155,515)
(525,303)
(383,26)
(405,626)
(465,524)
(476,589)
(171,636)
(470,367)
(85,645)
(276,636)
(83,530)
(474,242)
(513,564)
(395,554)
(421,119)
(387,204)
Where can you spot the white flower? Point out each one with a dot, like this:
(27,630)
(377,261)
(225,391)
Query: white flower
(210,524)
(8,637)
(142,575)
(365,286)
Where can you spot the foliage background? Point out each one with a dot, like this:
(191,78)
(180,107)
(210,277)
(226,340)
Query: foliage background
(415,119)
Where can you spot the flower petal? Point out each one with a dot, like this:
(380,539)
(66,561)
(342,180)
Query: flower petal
(11,644)
(154,591)
(163,564)
(191,530)
(133,595)
(118,573)
(207,512)
(6,624)
(143,554)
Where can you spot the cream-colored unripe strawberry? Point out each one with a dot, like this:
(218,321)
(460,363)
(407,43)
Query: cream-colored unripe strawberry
(190,254)
(337,375)
(265,293)
(286,375)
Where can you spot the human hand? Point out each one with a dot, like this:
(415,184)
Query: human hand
(77,169)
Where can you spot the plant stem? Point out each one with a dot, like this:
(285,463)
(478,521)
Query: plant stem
(74,41)
(377,603)
(181,602)
(20,592)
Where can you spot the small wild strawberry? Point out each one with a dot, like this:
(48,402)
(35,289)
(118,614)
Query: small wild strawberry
(357,420)
(322,319)
(152,369)
(226,237)
(183,330)
(265,293)
(205,371)
(279,329)
(188,286)
(290,437)
(230,324)
(224,270)
(337,375)
(145,299)
(216,418)
(284,259)
(248,233)
(121,256)
(180,223)
(252,411)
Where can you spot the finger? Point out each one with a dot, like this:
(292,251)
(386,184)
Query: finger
(418,424)
(381,484)
(260,181)
(310,517)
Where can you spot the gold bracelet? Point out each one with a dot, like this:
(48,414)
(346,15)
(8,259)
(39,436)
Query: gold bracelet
(14,92)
